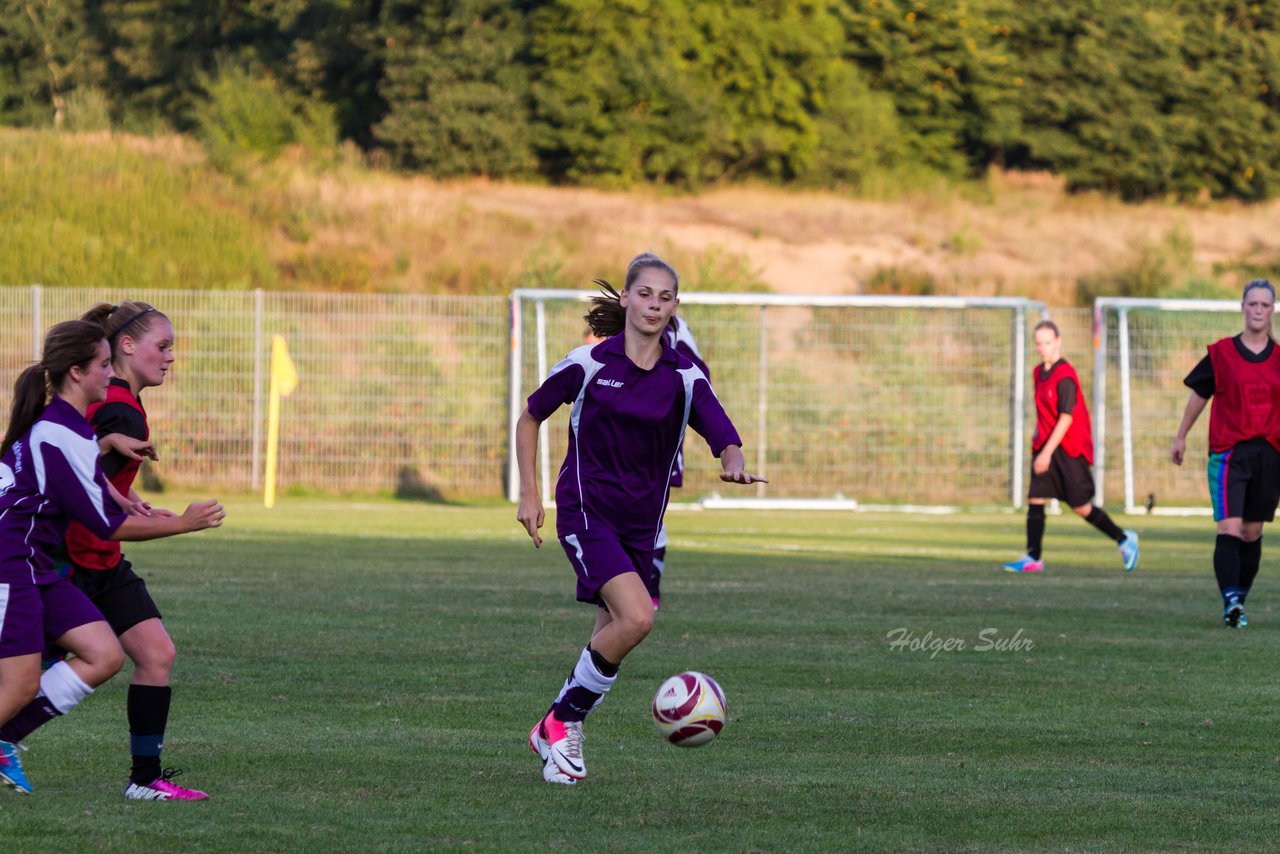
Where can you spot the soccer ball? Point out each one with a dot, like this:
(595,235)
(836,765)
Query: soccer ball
(689,709)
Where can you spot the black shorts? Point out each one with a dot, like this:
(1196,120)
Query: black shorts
(1068,479)
(119,593)
(1244,482)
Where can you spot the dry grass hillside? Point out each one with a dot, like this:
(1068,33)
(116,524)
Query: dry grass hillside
(1017,235)
(116,210)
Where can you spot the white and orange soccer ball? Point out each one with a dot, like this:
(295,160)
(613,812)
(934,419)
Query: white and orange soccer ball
(689,709)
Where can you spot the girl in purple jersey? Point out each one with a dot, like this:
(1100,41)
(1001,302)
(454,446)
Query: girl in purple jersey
(681,339)
(632,395)
(50,473)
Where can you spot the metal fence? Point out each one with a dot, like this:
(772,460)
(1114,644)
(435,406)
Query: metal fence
(885,404)
(397,392)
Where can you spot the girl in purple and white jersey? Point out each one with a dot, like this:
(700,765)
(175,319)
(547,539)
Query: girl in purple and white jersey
(680,336)
(50,473)
(632,395)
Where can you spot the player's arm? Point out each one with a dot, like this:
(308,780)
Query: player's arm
(127,446)
(1203,384)
(531,513)
(1195,405)
(198,516)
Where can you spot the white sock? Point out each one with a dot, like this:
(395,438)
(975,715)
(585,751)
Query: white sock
(63,687)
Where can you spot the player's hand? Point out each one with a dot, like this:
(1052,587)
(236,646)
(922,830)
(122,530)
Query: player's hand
(161,512)
(137,508)
(740,476)
(1040,464)
(1177,450)
(531,515)
(127,446)
(204,514)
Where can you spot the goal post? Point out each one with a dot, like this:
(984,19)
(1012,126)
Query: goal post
(845,401)
(1153,344)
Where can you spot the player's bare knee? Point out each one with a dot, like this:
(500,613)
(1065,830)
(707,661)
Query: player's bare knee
(1083,510)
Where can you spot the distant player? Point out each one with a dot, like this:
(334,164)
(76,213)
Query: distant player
(1062,449)
(632,396)
(50,473)
(680,337)
(1242,375)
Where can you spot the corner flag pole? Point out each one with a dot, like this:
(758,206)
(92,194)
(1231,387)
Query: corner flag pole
(284,379)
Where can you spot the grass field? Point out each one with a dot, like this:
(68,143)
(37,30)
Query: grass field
(362,676)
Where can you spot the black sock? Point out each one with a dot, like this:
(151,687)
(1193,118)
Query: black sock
(604,665)
(1099,519)
(1226,565)
(1035,530)
(148,712)
(1250,560)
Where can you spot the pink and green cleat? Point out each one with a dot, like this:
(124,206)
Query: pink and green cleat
(1026,563)
(162,788)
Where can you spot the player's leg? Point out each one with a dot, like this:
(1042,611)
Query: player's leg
(608,574)
(19,684)
(1228,488)
(658,565)
(79,628)
(1261,498)
(1042,488)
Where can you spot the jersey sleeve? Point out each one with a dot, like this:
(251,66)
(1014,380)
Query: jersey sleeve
(118,418)
(1200,380)
(74,481)
(708,417)
(561,387)
(1066,396)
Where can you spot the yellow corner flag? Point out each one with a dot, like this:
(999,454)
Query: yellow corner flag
(284,379)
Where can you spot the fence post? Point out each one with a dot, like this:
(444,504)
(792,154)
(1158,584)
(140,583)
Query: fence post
(37,320)
(1018,411)
(544,439)
(1099,400)
(257,387)
(516,366)
(762,405)
(1126,409)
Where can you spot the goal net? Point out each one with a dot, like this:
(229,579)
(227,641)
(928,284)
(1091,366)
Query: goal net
(1143,349)
(841,401)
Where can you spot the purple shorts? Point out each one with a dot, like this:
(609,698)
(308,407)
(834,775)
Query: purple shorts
(598,556)
(34,615)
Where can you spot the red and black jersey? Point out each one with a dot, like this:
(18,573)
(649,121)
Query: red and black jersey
(121,412)
(1078,440)
(1246,396)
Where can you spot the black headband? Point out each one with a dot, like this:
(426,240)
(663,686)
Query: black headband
(131,321)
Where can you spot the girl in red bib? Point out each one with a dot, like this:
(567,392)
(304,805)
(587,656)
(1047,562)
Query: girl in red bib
(1063,455)
(1242,375)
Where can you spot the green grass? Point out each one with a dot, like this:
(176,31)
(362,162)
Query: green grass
(362,676)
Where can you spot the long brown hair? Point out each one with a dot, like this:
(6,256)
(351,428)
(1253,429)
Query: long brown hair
(607,316)
(131,316)
(71,344)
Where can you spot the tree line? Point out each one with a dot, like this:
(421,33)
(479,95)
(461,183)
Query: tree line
(1127,97)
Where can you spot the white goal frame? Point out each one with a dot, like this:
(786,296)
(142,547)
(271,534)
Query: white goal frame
(525,299)
(1121,306)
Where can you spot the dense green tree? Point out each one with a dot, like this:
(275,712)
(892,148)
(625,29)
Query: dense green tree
(455,87)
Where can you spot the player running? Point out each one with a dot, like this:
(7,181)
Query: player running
(632,396)
(1242,375)
(1063,455)
(49,473)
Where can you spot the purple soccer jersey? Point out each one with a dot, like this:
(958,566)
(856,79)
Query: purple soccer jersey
(51,475)
(681,338)
(625,430)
